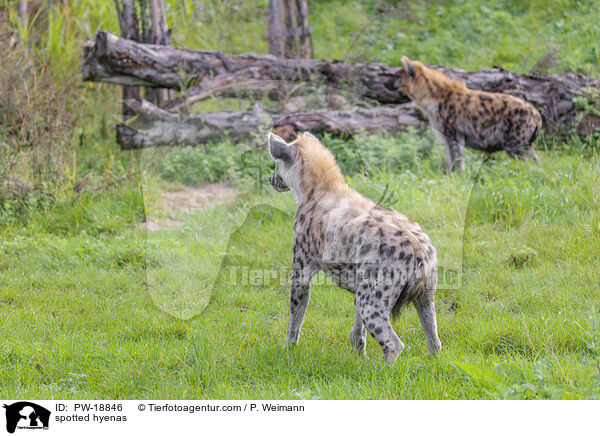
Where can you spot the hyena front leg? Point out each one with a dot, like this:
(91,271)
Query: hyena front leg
(299,297)
(377,321)
(460,155)
(455,152)
(358,333)
(532,154)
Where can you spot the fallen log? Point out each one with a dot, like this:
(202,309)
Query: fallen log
(204,72)
(155,126)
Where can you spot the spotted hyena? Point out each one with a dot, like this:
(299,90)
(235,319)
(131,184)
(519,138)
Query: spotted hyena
(381,256)
(461,117)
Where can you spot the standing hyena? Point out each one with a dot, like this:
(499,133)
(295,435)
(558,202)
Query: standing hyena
(461,117)
(379,255)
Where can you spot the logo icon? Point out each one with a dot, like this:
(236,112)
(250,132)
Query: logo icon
(26,415)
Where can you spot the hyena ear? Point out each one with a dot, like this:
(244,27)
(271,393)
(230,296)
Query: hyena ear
(409,68)
(310,135)
(278,149)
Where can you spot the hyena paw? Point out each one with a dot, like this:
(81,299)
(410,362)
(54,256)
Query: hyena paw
(291,339)
(391,352)
(434,348)
(359,343)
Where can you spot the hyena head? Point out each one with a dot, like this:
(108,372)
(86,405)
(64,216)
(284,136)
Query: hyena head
(284,176)
(406,77)
(303,166)
(420,82)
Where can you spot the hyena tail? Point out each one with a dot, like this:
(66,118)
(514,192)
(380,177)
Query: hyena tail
(410,292)
(530,150)
(403,298)
(534,135)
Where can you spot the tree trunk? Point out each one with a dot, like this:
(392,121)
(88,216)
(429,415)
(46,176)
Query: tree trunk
(128,24)
(160,31)
(303,24)
(157,127)
(275,28)
(290,42)
(159,36)
(115,60)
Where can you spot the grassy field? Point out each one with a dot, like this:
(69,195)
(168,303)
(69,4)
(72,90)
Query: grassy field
(82,318)
(93,306)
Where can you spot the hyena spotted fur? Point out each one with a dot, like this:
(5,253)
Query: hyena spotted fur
(461,117)
(380,255)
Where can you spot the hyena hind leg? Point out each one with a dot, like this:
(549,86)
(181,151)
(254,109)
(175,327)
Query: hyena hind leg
(532,154)
(377,322)
(522,154)
(522,151)
(426,311)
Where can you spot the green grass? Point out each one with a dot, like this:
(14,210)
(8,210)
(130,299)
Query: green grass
(93,307)
(81,316)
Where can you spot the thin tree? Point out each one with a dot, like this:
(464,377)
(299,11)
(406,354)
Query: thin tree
(288,20)
(159,35)
(139,24)
(128,25)
(275,29)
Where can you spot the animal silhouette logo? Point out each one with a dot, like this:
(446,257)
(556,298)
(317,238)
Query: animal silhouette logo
(26,415)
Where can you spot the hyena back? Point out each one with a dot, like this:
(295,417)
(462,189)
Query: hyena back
(381,256)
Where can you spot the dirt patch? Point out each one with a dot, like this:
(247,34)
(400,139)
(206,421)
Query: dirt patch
(154,224)
(189,200)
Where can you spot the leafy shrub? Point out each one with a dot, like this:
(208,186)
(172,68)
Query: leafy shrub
(206,163)
(34,115)
(386,152)
(248,162)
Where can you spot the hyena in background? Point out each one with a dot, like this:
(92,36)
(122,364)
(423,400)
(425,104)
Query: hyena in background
(462,117)
(381,256)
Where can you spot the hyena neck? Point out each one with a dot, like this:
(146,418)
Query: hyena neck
(429,105)
(426,98)
(316,173)
(434,87)
(316,187)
